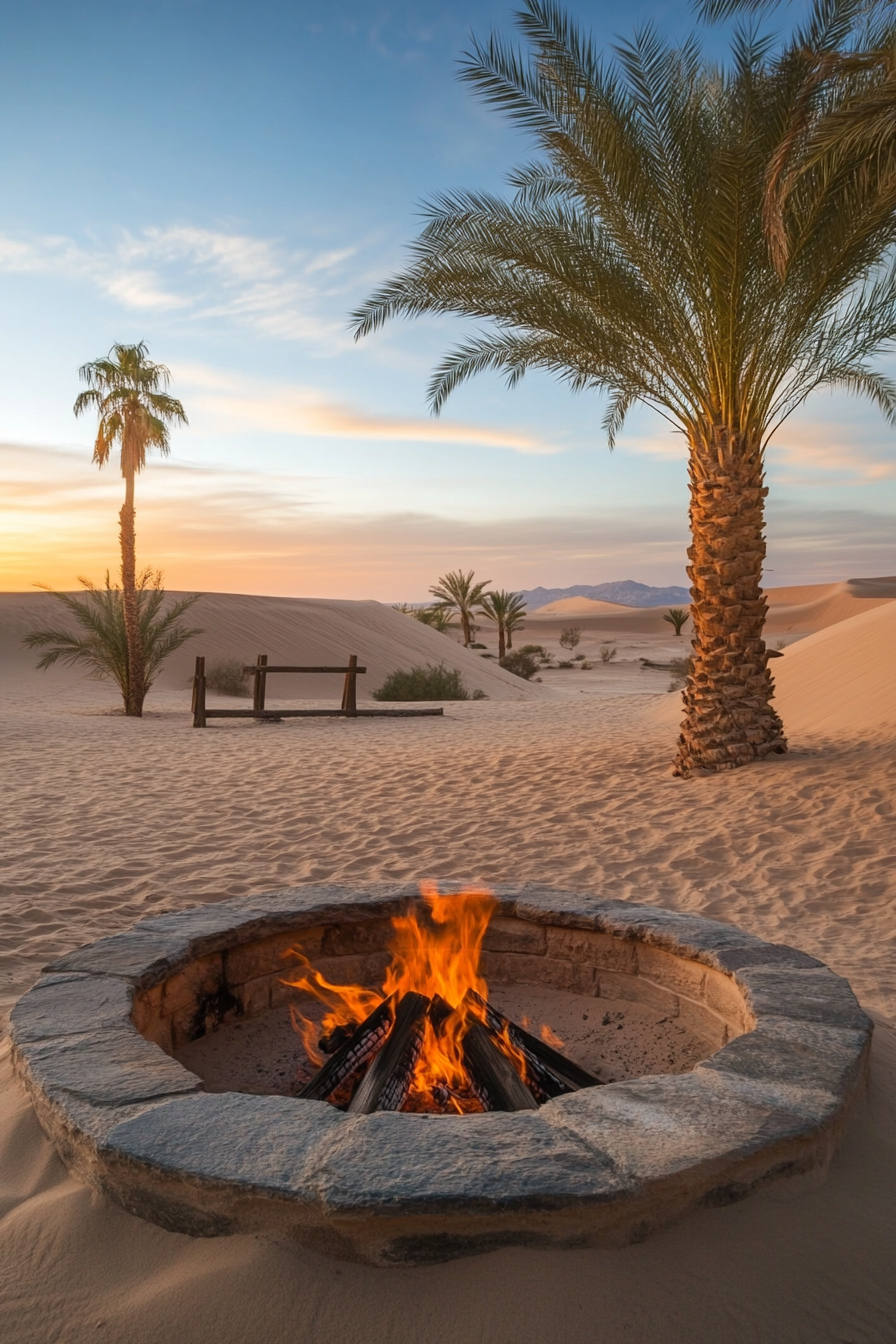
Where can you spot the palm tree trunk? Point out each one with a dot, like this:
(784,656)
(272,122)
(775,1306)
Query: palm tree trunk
(465,625)
(128,537)
(502,642)
(729,719)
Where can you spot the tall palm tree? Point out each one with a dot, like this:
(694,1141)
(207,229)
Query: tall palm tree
(631,259)
(456,591)
(128,393)
(508,611)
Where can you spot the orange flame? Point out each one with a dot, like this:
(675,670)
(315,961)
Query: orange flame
(435,952)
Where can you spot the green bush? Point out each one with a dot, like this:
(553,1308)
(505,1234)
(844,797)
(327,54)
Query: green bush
(537,649)
(521,664)
(226,676)
(423,683)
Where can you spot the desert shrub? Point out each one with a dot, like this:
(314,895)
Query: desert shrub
(577,658)
(486,655)
(570,636)
(520,664)
(423,683)
(479,694)
(564,663)
(607,653)
(478,646)
(585,666)
(537,650)
(226,676)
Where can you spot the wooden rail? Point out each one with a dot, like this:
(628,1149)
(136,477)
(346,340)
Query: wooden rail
(260,670)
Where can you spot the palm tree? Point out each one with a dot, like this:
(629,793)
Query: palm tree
(456,591)
(860,118)
(102,643)
(632,260)
(508,611)
(676,616)
(127,391)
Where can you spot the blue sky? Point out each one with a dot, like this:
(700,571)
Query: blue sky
(227,182)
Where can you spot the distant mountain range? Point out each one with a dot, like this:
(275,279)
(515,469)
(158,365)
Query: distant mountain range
(626,592)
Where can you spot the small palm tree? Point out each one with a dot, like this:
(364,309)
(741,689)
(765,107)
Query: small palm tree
(435,616)
(631,259)
(456,591)
(676,616)
(103,645)
(127,391)
(508,611)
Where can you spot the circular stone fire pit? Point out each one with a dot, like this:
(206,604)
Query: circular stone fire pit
(749,1055)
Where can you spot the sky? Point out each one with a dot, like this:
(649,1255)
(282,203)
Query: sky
(227,182)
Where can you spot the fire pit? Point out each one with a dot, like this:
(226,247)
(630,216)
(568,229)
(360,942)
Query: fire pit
(400,1080)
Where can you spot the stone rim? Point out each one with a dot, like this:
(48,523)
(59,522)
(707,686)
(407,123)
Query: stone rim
(599,1167)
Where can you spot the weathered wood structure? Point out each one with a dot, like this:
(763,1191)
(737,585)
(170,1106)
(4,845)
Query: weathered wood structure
(260,671)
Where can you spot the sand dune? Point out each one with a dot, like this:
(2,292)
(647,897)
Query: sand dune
(296,631)
(583,606)
(794,611)
(843,678)
(112,819)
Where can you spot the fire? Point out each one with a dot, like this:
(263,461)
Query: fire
(435,952)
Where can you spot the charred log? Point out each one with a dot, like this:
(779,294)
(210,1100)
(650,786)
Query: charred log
(332,1040)
(493,1077)
(361,1046)
(550,1073)
(387,1082)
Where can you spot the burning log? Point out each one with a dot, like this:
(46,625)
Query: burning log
(494,1079)
(361,1046)
(550,1073)
(387,1082)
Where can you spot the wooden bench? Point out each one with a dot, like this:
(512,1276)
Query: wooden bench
(261,669)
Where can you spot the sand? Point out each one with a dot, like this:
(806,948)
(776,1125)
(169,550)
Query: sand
(107,820)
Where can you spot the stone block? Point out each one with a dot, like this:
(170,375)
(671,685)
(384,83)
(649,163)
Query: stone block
(806,995)
(61,1005)
(767,954)
(594,949)
(802,1065)
(671,972)
(107,1067)
(199,980)
(706,1025)
(143,958)
(515,935)
(343,940)
(613,985)
(146,1011)
(509,968)
(254,996)
(268,955)
(726,998)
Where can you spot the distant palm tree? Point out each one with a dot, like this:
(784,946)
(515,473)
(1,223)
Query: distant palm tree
(632,259)
(676,616)
(508,611)
(126,390)
(102,644)
(435,616)
(456,591)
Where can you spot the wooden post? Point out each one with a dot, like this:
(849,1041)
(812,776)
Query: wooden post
(199,694)
(260,679)
(350,693)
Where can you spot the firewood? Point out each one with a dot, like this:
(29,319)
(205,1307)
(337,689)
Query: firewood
(549,1072)
(387,1082)
(361,1046)
(494,1079)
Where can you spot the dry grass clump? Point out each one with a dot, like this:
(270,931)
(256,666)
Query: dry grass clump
(226,676)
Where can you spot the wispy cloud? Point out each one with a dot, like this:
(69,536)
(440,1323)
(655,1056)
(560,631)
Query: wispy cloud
(228,403)
(203,273)
(240,532)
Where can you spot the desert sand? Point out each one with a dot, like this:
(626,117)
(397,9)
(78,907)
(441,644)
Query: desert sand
(108,820)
